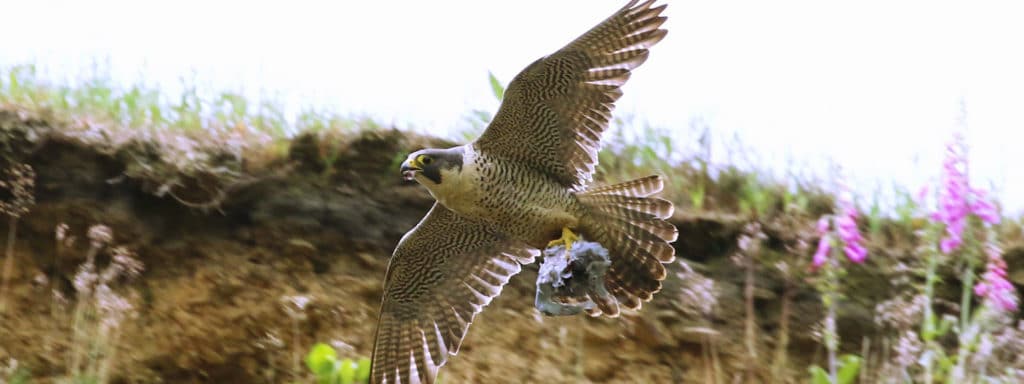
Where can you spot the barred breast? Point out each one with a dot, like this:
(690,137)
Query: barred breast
(525,203)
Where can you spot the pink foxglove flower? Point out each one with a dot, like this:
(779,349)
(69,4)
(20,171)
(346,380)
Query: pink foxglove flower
(994,286)
(983,208)
(846,227)
(957,199)
(845,230)
(823,225)
(953,192)
(856,252)
(821,255)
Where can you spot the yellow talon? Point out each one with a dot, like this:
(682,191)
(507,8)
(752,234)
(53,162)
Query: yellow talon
(568,237)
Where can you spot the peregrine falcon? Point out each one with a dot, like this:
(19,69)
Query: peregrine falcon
(522,186)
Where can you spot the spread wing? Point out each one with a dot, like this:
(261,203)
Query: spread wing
(441,275)
(555,111)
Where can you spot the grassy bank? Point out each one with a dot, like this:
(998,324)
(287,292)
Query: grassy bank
(219,197)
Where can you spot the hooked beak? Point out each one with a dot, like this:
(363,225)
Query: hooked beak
(409,169)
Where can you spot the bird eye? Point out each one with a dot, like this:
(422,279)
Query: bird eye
(425,160)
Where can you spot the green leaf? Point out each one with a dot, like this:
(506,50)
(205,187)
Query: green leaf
(321,359)
(945,362)
(928,332)
(347,373)
(945,325)
(745,206)
(818,375)
(849,366)
(481,115)
(20,376)
(697,197)
(496,87)
(363,371)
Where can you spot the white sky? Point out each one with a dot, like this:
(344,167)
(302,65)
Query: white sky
(871,85)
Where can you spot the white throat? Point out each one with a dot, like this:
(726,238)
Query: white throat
(458,189)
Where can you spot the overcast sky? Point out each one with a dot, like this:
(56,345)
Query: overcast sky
(875,86)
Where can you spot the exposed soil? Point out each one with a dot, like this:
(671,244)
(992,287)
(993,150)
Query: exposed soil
(211,302)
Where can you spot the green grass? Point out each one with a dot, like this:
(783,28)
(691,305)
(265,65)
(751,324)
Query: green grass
(144,107)
(227,126)
(229,136)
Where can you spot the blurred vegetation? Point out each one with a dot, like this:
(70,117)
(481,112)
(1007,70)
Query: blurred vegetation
(140,106)
(188,142)
(323,361)
(227,136)
(196,135)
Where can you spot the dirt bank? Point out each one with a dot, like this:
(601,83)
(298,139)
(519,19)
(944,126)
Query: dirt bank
(215,302)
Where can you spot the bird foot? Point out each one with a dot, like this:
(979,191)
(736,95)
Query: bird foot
(568,237)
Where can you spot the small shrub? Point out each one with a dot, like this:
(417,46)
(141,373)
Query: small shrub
(323,361)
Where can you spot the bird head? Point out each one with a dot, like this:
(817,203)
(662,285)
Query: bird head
(431,164)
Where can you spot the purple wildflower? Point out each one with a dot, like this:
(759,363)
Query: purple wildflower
(994,286)
(823,225)
(953,207)
(824,245)
(846,227)
(856,252)
(821,255)
(982,207)
(846,230)
(957,199)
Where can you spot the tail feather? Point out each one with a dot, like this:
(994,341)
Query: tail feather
(653,210)
(654,231)
(640,249)
(652,206)
(628,300)
(630,223)
(637,188)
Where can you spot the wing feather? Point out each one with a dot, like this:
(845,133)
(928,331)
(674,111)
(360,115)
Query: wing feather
(555,111)
(443,272)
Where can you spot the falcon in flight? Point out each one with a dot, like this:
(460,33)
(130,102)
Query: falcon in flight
(520,187)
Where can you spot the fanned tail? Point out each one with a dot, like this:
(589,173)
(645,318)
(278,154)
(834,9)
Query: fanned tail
(630,223)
